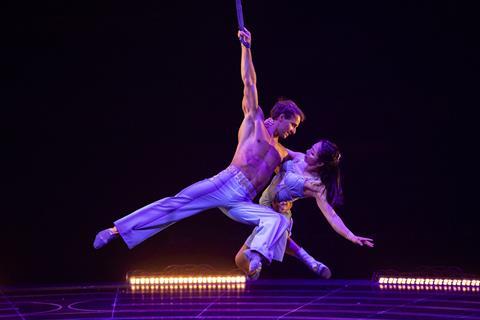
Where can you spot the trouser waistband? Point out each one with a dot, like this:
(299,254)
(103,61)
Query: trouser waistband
(242,180)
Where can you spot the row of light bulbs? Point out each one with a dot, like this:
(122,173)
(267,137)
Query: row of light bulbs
(428,287)
(186,280)
(430,281)
(234,286)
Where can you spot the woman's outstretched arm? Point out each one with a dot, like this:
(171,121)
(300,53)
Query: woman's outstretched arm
(337,223)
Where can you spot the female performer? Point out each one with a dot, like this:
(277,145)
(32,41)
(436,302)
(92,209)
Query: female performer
(318,166)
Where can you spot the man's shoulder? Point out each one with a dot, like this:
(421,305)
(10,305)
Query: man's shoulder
(257,115)
(260,115)
(281,146)
(283,151)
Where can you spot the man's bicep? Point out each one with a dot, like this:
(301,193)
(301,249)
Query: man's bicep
(250,99)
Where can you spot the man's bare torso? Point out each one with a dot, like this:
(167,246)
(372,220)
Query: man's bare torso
(258,153)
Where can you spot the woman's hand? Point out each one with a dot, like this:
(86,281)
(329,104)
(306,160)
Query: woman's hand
(361,241)
(268,122)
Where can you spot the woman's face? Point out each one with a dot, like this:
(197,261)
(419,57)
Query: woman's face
(311,156)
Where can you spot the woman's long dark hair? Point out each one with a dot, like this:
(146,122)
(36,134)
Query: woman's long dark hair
(330,172)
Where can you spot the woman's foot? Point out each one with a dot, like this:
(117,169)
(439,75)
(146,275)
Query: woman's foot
(321,270)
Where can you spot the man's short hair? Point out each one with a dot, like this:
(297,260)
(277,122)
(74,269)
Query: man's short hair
(288,108)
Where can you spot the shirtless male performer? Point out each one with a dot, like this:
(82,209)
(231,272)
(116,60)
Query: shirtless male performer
(258,153)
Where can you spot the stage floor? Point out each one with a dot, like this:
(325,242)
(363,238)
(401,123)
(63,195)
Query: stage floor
(264,299)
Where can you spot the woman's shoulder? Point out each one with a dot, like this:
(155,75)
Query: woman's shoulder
(298,157)
(293,163)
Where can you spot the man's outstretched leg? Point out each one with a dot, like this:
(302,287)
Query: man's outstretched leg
(153,218)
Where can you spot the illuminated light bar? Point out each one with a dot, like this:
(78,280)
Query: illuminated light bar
(428,288)
(184,287)
(171,280)
(405,283)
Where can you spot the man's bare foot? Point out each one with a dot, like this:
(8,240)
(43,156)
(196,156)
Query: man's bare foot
(104,237)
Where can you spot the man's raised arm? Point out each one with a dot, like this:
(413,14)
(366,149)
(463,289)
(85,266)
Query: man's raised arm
(249,78)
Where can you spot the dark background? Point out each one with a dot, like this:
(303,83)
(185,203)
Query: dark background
(110,105)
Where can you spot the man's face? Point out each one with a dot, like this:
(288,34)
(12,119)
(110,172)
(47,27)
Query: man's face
(287,127)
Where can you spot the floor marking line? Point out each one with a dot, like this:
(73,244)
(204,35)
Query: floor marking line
(12,305)
(313,301)
(115,303)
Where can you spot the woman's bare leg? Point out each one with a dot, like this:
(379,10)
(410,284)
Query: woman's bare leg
(241,261)
(292,248)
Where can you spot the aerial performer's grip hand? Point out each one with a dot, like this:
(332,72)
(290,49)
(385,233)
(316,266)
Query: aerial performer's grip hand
(245,37)
(241,24)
